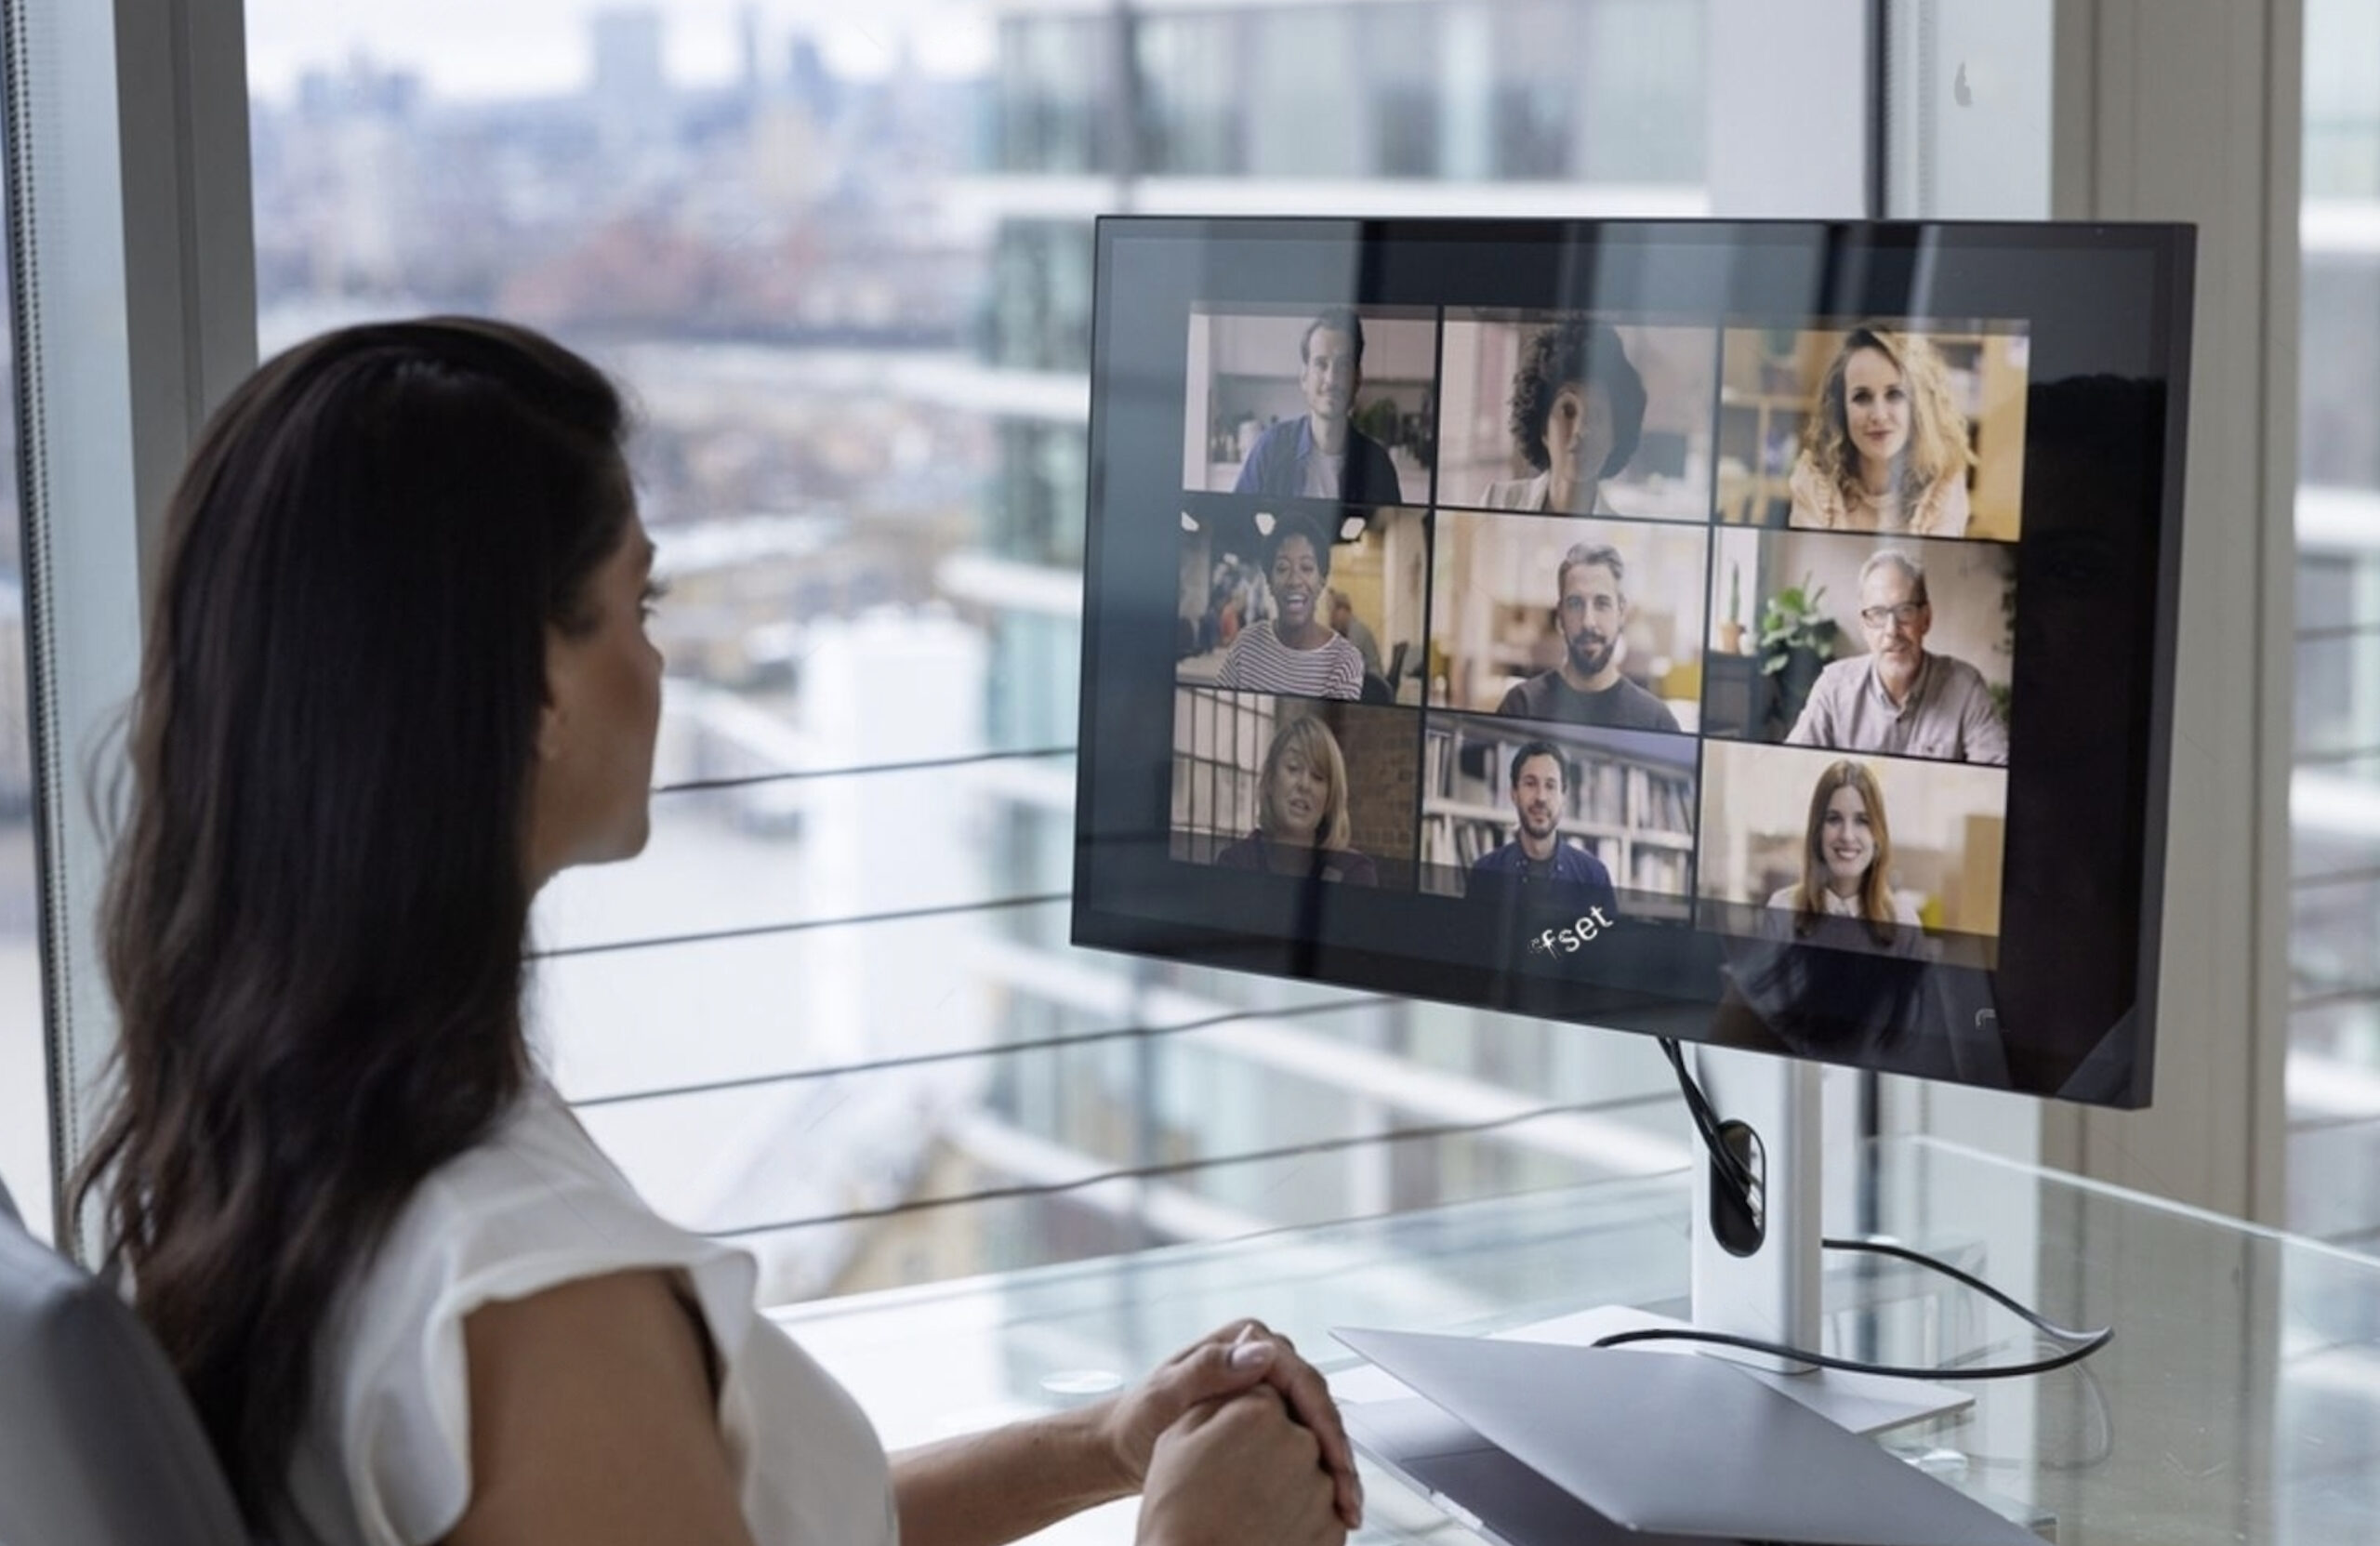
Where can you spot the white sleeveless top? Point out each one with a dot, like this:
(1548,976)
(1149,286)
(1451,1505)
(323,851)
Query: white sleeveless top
(386,1461)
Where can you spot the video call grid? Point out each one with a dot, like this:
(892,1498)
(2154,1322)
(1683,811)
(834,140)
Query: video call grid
(1434,524)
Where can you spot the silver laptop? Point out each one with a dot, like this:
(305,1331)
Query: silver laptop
(1535,1444)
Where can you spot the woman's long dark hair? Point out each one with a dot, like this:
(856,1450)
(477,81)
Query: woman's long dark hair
(316,915)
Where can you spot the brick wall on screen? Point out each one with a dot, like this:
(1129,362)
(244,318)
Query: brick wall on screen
(1382,747)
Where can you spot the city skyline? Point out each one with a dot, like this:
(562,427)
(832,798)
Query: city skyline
(542,47)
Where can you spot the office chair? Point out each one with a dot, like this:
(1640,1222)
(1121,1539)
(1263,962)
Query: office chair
(98,1446)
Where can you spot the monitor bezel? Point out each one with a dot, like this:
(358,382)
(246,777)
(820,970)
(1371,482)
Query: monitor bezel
(1101,920)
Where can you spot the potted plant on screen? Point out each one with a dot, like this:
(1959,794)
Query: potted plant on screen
(1797,638)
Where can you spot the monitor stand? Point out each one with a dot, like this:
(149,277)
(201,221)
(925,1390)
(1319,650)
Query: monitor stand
(1771,1109)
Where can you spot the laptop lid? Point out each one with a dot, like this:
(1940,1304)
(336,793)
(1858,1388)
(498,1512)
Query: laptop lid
(1683,1446)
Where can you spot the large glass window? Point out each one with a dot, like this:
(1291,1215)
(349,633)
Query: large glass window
(831,1013)
(1187,72)
(25,1171)
(2334,797)
(1048,89)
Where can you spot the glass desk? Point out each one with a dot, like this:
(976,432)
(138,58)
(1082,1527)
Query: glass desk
(2240,1400)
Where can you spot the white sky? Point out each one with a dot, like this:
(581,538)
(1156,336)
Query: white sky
(482,48)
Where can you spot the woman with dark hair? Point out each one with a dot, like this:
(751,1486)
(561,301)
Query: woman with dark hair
(1295,650)
(1301,824)
(1886,449)
(1847,858)
(395,678)
(1576,413)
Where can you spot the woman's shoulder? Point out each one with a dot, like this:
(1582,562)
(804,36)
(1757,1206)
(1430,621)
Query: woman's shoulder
(1816,502)
(1791,896)
(532,1207)
(1354,867)
(1246,852)
(533,1204)
(537,1137)
(535,1208)
(1258,635)
(1252,641)
(1942,510)
(1516,494)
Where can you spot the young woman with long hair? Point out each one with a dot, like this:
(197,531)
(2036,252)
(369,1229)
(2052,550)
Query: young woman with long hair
(395,678)
(1885,448)
(1846,857)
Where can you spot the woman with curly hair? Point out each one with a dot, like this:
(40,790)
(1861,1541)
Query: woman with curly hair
(1302,811)
(1846,858)
(1577,411)
(1887,449)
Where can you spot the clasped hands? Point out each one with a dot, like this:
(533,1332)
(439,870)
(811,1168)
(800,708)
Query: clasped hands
(1235,1438)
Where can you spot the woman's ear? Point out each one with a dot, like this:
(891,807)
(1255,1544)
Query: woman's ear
(553,718)
(552,724)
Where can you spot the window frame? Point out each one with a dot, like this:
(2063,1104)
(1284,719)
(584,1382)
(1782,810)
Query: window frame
(129,206)
(134,308)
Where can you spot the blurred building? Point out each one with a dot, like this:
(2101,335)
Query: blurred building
(2335,1030)
(1448,107)
(857,312)
(629,90)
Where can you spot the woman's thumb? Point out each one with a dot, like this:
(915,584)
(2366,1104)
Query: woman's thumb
(1222,1368)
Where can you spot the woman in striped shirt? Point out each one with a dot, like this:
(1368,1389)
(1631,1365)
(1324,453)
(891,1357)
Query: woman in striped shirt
(1295,652)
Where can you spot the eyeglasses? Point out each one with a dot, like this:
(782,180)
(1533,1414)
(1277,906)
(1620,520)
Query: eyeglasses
(1880,616)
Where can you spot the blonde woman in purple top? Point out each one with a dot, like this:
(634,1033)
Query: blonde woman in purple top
(1302,825)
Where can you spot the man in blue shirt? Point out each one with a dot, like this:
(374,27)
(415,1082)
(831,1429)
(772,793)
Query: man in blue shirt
(1537,869)
(1322,455)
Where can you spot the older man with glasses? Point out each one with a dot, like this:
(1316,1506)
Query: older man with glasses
(1898,698)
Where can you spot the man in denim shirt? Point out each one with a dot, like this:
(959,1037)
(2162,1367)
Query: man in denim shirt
(1536,870)
(1322,455)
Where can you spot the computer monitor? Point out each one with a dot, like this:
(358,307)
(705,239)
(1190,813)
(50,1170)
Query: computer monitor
(1787,611)
(1786,614)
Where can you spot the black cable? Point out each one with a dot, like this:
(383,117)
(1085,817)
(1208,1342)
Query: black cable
(1902,1253)
(1746,1186)
(1706,1122)
(1855,1366)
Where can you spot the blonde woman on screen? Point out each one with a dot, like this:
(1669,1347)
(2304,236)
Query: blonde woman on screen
(1887,448)
(1846,858)
(1302,811)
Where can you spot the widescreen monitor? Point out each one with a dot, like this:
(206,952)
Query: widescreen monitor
(1755,633)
